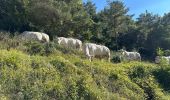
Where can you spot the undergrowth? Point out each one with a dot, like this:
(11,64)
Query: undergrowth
(32,70)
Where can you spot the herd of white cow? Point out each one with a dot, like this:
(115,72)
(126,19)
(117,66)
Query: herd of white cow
(91,50)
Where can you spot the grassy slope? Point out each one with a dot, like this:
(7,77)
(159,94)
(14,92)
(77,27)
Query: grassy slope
(69,76)
(66,74)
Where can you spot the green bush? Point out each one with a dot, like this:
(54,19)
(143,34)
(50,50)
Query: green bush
(167,52)
(144,78)
(163,77)
(48,71)
(4,36)
(116,59)
(34,47)
(139,72)
(50,48)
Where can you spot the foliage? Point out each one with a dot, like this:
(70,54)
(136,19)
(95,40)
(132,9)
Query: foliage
(162,75)
(34,48)
(166,52)
(59,73)
(114,21)
(145,79)
(117,57)
(160,52)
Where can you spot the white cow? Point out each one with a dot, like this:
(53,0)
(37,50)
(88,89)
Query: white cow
(131,55)
(45,37)
(79,44)
(62,41)
(93,50)
(29,35)
(159,58)
(70,43)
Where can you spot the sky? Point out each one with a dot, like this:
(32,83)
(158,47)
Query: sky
(140,6)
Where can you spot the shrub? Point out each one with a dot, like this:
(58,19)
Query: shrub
(143,77)
(34,47)
(116,59)
(4,36)
(159,52)
(59,65)
(139,72)
(50,48)
(167,52)
(162,75)
(68,76)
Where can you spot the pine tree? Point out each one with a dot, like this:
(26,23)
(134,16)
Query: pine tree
(115,20)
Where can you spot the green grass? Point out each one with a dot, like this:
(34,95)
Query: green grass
(62,74)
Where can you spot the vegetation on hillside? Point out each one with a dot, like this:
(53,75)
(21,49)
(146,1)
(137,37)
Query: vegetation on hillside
(58,73)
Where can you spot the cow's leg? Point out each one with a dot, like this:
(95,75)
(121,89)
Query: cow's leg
(108,59)
(140,58)
(92,58)
(89,57)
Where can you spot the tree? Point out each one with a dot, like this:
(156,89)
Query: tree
(159,37)
(80,23)
(146,24)
(13,15)
(90,8)
(48,16)
(94,28)
(115,21)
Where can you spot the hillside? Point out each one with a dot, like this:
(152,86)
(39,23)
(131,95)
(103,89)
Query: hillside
(46,71)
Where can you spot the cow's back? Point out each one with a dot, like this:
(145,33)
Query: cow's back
(94,50)
(132,55)
(72,43)
(97,50)
(27,35)
(105,50)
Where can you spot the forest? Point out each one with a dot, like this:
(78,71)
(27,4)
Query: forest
(112,26)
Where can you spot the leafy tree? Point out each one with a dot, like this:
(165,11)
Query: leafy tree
(154,32)
(79,24)
(115,20)
(48,16)
(13,15)
(146,24)
(90,8)
(95,29)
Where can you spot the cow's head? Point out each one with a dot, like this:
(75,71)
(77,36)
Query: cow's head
(122,51)
(58,39)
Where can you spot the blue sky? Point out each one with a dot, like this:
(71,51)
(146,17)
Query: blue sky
(139,6)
